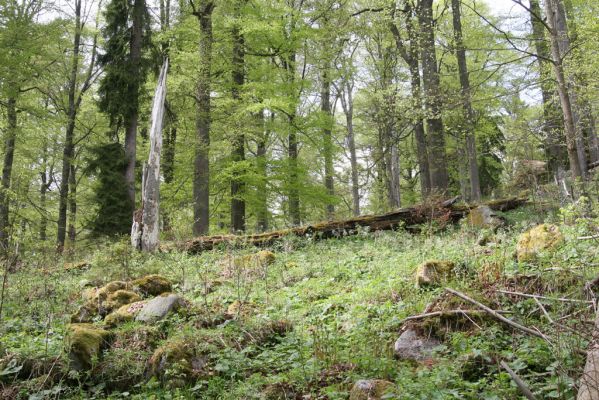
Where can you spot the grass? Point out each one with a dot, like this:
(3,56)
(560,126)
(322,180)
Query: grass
(324,315)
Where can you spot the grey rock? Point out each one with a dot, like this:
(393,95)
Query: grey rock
(411,346)
(159,307)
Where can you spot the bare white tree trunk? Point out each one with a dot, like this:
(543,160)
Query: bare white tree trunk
(145,232)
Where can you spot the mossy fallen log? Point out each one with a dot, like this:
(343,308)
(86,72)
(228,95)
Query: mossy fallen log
(409,217)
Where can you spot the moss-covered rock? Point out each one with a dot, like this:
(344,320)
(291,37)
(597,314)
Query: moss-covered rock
(239,308)
(173,363)
(544,237)
(85,343)
(120,298)
(265,257)
(152,285)
(77,266)
(370,389)
(433,272)
(86,313)
(483,217)
(124,314)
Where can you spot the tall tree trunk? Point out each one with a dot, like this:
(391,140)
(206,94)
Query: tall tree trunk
(262,213)
(395,176)
(293,196)
(475,193)
(132,120)
(9,154)
(411,56)
(327,138)
(432,98)
(562,88)
(552,124)
(238,141)
(72,206)
(69,147)
(347,103)
(43,191)
(563,39)
(150,218)
(201,180)
(169,154)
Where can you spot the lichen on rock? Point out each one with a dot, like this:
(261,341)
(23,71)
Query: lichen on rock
(370,389)
(124,313)
(542,237)
(433,272)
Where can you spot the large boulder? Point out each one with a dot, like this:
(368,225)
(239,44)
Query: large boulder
(159,307)
(370,389)
(412,346)
(484,217)
(152,285)
(433,272)
(85,343)
(544,237)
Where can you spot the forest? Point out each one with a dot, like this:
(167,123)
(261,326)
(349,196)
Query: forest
(299,199)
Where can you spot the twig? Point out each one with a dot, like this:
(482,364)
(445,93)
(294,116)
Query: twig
(519,382)
(588,237)
(544,310)
(445,313)
(497,315)
(536,296)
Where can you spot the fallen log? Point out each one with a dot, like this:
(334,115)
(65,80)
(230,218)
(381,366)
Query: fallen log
(589,382)
(446,212)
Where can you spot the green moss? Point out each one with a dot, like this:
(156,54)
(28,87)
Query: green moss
(121,298)
(172,363)
(540,238)
(85,343)
(123,314)
(152,285)
(433,272)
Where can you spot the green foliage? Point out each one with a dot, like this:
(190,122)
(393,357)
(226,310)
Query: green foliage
(113,215)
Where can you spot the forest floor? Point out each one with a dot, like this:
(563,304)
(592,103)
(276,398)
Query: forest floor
(310,319)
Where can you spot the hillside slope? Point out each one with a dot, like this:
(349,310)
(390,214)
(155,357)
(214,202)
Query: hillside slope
(304,320)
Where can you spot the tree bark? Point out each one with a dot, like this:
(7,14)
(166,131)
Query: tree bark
(475,193)
(293,196)
(562,88)
(69,147)
(238,141)
(552,124)
(347,102)
(150,217)
(9,154)
(72,206)
(201,181)
(410,56)
(135,46)
(261,164)
(432,98)
(563,39)
(43,190)
(327,138)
